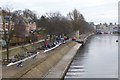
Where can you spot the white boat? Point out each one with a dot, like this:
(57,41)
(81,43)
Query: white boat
(17,62)
(52,47)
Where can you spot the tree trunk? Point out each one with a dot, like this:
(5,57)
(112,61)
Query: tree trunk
(50,38)
(7,51)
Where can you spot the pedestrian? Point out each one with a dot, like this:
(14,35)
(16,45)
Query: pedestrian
(46,44)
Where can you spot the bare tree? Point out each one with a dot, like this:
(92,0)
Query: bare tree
(76,17)
(58,24)
(42,22)
(7,27)
(78,22)
(22,19)
(29,15)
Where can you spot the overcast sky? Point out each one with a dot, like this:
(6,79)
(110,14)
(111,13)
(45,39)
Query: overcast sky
(97,11)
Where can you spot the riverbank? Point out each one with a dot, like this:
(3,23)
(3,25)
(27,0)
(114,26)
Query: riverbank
(56,61)
(60,69)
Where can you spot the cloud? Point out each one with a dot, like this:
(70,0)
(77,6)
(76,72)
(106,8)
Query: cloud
(93,10)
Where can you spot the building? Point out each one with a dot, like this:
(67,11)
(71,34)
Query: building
(105,28)
(31,26)
(113,28)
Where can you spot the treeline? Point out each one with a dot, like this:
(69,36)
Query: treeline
(16,23)
(57,24)
(53,23)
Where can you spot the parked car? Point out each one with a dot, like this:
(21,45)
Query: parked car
(74,38)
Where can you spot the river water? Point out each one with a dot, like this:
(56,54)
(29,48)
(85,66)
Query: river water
(97,59)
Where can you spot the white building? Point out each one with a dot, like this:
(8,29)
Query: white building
(104,28)
(113,28)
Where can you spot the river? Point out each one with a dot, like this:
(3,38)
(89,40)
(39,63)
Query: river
(97,59)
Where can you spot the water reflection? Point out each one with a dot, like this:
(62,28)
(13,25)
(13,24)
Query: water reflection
(99,57)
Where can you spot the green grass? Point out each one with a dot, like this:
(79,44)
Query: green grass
(16,51)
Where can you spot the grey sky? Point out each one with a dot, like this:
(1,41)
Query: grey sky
(98,11)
